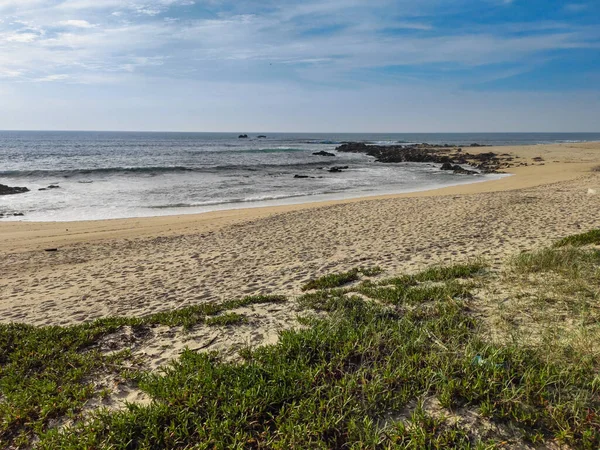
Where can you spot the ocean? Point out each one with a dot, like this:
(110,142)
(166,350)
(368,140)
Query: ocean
(103,175)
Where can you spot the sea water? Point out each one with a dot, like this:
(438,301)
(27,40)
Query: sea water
(104,175)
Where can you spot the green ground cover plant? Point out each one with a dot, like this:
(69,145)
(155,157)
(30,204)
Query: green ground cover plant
(359,374)
(341,279)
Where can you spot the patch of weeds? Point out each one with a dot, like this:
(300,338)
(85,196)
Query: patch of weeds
(330,300)
(192,315)
(386,294)
(371,271)
(45,376)
(186,317)
(547,300)
(435,292)
(253,300)
(438,274)
(415,294)
(47,373)
(336,280)
(570,260)
(227,320)
(579,240)
(334,383)
(432,284)
(332,281)
(453,272)
(424,431)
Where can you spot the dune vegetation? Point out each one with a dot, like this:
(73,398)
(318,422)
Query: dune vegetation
(459,356)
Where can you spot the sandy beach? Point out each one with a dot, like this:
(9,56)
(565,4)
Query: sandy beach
(139,266)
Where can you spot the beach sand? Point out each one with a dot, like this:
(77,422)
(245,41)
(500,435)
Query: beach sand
(139,266)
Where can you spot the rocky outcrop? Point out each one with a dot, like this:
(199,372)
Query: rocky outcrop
(261,136)
(458,169)
(8,190)
(323,153)
(395,153)
(426,153)
(243,136)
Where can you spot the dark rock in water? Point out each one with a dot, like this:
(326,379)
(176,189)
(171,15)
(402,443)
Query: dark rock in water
(51,250)
(243,136)
(53,186)
(301,176)
(447,166)
(322,153)
(18,215)
(337,169)
(261,136)
(7,190)
(11,215)
(42,189)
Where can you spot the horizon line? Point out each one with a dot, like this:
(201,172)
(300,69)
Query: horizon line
(295,132)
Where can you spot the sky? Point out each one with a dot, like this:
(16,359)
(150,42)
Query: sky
(285,65)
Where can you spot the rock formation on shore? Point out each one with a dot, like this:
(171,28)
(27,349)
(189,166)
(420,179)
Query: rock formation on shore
(426,153)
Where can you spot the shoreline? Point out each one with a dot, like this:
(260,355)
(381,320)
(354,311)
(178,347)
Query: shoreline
(39,235)
(272,203)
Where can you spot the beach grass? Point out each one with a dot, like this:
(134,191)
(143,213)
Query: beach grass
(335,280)
(226,320)
(578,240)
(393,363)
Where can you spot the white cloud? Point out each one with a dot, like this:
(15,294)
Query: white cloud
(76,23)
(51,78)
(8,73)
(20,37)
(112,37)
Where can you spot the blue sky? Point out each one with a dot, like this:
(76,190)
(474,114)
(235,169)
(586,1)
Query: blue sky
(328,65)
